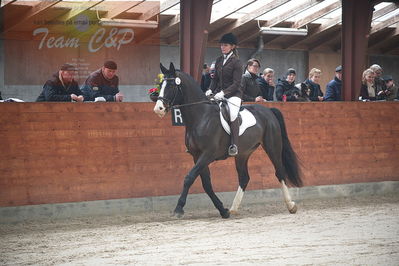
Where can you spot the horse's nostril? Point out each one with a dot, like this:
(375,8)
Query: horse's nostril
(161,108)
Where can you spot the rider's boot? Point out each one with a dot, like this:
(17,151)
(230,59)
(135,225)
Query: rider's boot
(234,127)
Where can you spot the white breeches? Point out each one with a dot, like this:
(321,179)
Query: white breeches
(234,106)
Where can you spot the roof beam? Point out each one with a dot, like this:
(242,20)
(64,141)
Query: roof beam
(323,27)
(156,10)
(316,15)
(230,10)
(33,11)
(83,6)
(385,10)
(392,20)
(280,18)
(377,40)
(120,8)
(331,36)
(247,18)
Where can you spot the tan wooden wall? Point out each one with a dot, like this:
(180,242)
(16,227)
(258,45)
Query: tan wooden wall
(67,152)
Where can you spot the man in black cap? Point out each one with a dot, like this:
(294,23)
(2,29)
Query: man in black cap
(391,89)
(61,87)
(285,88)
(333,88)
(102,84)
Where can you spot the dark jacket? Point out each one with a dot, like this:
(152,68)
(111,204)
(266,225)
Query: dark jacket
(227,77)
(205,81)
(315,90)
(283,87)
(333,90)
(96,85)
(55,91)
(250,88)
(266,89)
(364,93)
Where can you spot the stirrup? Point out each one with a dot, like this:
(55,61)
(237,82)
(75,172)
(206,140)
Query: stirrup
(233,150)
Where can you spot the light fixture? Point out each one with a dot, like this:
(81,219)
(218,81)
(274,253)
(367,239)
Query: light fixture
(149,24)
(283,31)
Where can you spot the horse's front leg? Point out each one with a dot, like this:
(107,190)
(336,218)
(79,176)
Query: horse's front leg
(207,185)
(202,162)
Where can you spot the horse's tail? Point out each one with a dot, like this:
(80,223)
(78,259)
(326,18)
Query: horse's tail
(290,159)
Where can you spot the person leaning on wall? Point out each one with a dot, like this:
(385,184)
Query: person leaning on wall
(285,88)
(61,87)
(249,85)
(102,84)
(267,85)
(392,90)
(311,87)
(333,88)
(368,90)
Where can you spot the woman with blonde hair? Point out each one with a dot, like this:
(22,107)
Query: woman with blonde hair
(368,91)
(311,87)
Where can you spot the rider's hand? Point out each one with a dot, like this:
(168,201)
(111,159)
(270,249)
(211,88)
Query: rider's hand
(208,92)
(219,95)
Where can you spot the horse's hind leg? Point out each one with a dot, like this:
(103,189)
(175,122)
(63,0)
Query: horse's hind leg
(207,185)
(272,144)
(243,179)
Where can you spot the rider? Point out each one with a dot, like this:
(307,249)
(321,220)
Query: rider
(226,84)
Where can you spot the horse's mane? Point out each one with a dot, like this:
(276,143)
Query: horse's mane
(189,82)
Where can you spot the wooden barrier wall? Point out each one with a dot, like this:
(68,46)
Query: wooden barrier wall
(67,152)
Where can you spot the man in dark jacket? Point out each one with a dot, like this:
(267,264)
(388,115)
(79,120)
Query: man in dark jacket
(333,88)
(287,87)
(62,87)
(102,84)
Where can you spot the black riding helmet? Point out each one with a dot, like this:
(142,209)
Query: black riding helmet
(229,38)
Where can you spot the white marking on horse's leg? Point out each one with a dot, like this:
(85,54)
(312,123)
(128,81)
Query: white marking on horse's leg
(237,200)
(287,198)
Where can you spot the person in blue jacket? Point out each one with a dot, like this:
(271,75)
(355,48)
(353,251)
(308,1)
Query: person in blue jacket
(333,88)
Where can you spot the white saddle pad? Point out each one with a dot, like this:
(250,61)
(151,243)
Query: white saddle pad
(248,120)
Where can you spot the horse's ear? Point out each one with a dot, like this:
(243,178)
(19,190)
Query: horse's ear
(172,69)
(163,69)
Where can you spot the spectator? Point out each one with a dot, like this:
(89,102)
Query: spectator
(378,82)
(206,78)
(368,91)
(102,84)
(392,90)
(61,87)
(266,84)
(310,88)
(212,70)
(333,88)
(285,88)
(249,85)
(226,84)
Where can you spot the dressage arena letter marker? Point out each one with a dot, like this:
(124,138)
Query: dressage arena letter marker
(177,119)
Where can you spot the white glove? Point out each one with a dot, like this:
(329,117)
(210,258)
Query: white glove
(219,95)
(208,92)
(99,99)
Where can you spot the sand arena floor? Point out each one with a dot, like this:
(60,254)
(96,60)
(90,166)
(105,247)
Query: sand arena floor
(345,231)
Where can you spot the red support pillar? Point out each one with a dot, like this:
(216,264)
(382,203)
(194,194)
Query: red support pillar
(356,21)
(194,22)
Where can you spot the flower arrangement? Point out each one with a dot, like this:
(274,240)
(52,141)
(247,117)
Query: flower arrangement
(158,83)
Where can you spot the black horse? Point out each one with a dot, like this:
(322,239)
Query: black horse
(207,141)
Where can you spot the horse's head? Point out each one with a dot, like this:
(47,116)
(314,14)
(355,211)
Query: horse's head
(170,93)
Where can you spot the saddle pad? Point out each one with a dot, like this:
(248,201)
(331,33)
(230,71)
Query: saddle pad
(248,120)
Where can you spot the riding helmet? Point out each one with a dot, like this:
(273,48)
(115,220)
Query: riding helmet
(229,38)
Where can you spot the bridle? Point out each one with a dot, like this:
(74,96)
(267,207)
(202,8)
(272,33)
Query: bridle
(170,103)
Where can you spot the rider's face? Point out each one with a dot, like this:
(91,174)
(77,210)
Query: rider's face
(226,48)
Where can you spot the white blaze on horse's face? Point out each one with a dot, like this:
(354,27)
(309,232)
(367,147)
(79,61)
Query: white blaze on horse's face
(159,108)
